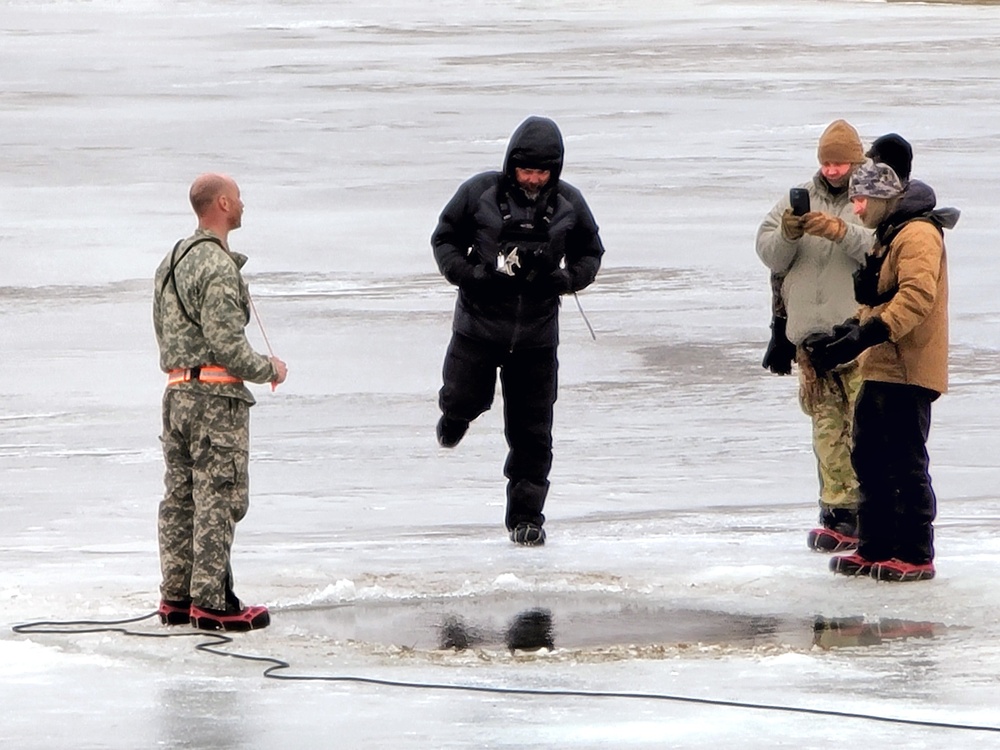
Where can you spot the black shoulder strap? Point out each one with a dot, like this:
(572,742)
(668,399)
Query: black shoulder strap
(543,215)
(172,280)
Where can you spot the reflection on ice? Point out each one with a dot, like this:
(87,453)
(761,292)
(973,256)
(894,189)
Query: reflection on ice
(847,632)
(529,630)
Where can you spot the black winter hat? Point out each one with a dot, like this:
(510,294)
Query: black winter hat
(894,150)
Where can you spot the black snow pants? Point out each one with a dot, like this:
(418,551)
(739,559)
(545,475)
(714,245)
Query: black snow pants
(528,378)
(897,505)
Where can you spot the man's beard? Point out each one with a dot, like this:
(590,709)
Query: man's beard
(875,213)
(838,185)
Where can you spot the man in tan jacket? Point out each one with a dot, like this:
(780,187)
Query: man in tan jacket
(902,331)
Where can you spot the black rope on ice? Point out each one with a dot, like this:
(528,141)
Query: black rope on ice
(76,627)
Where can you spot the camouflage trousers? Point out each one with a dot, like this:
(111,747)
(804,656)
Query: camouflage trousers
(829,400)
(206,442)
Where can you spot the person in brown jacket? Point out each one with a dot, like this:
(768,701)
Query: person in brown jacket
(902,329)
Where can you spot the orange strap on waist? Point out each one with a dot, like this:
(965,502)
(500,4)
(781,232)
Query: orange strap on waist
(203,374)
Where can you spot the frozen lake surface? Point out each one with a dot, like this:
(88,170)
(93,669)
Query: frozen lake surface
(676,569)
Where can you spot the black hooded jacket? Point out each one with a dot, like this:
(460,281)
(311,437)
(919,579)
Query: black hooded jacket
(555,231)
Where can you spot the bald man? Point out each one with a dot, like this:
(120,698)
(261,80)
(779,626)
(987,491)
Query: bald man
(201,306)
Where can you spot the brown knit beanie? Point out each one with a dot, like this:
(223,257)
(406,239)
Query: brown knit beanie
(840,144)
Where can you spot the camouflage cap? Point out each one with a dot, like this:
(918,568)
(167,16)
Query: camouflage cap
(872,180)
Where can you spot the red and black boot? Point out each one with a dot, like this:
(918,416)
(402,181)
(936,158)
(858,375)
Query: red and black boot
(838,531)
(852,565)
(898,570)
(235,618)
(174,611)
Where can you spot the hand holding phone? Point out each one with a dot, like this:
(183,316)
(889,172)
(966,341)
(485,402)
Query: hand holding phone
(799,198)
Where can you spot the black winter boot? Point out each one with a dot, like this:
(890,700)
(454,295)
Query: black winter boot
(838,532)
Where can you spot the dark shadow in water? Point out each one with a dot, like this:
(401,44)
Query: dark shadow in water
(530,630)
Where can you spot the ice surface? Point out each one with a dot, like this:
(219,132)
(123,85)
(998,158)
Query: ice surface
(683,483)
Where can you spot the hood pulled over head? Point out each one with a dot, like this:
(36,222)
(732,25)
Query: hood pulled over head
(535,144)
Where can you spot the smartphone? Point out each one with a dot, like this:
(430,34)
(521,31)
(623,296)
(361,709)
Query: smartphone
(799,198)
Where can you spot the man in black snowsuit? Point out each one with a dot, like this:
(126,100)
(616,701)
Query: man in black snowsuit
(513,242)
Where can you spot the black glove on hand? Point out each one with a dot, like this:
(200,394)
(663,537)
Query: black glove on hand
(554,283)
(846,342)
(537,262)
(780,351)
(484,280)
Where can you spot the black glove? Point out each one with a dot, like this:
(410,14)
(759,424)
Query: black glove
(553,284)
(780,351)
(537,262)
(484,280)
(846,342)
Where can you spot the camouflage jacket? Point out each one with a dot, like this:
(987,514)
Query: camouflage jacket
(199,315)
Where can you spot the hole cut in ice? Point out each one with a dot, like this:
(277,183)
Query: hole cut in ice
(584,620)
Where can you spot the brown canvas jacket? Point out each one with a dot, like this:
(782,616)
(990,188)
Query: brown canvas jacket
(917,315)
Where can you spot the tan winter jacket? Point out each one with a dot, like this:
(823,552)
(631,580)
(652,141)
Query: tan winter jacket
(917,315)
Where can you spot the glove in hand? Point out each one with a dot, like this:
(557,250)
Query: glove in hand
(823,225)
(791,225)
(846,342)
(551,284)
(780,351)
(484,280)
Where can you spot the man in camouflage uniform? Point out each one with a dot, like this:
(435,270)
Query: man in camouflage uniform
(201,306)
(812,259)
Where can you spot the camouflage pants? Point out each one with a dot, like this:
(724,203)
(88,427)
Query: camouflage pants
(829,401)
(206,441)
